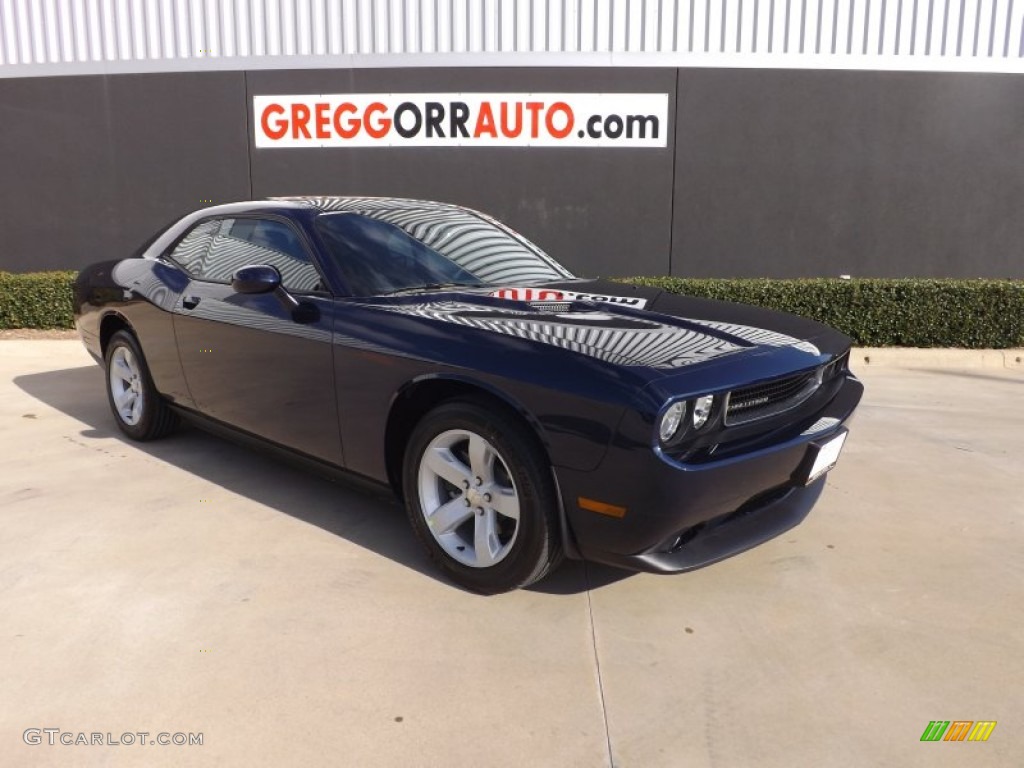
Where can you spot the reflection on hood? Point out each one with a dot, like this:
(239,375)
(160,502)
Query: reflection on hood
(626,340)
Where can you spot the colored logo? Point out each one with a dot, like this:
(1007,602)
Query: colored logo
(958,730)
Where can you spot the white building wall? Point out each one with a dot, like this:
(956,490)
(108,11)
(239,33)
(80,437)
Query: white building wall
(43,37)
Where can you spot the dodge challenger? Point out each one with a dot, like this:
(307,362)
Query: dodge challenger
(521,413)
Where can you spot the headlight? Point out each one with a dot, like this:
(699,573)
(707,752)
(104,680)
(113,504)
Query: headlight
(671,420)
(702,410)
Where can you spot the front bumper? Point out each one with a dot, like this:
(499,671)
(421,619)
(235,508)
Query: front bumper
(679,517)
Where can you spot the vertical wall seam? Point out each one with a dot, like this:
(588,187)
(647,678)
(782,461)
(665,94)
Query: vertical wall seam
(721,41)
(992,28)
(867,25)
(1009,20)
(692,16)
(675,167)
(945,27)
(785,31)
(913,28)
(739,27)
(707,26)
(803,24)
(817,32)
(625,31)
(960,29)
(753,32)
(248,128)
(881,27)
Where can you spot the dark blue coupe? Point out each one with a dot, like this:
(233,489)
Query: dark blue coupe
(522,413)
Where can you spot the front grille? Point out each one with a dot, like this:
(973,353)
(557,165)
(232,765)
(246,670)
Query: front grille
(552,306)
(769,398)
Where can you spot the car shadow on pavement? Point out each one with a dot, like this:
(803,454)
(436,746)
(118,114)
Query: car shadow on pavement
(576,576)
(369,517)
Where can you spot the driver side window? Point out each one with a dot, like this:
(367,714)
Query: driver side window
(244,241)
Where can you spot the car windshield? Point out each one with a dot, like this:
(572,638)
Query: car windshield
(388,251)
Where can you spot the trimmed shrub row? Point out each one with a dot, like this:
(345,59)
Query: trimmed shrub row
(36,300)
(974,314)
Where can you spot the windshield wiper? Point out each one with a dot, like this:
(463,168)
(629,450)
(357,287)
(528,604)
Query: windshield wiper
(432,287)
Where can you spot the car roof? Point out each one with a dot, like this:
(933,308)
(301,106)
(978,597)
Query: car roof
(316,204)
(338,204)
(311,204)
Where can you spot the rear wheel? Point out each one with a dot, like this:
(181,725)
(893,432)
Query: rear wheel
(480,497)
(138,409)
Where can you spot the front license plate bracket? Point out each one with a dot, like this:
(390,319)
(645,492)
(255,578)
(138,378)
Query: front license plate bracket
(821,457)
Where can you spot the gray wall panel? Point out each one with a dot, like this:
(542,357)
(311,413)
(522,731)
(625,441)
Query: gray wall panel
(600,212)
(785,173)
(93,165)
(777,173)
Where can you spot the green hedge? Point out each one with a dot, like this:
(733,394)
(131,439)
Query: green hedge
(36,300)
(975,314)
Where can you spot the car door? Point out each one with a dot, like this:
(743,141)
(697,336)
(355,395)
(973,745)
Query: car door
(251,360)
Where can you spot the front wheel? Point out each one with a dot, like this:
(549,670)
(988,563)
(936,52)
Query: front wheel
(480,497)
(139,410)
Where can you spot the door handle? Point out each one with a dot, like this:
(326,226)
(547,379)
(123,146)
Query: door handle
(190,302)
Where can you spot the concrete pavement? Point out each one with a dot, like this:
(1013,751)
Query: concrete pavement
(193,586)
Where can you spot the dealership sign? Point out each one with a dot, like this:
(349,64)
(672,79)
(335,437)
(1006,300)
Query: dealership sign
(462,120)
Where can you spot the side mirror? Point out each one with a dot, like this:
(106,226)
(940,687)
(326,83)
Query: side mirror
(257,278)
(260,278)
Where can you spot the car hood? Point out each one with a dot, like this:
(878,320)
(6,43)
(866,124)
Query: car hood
(632,326)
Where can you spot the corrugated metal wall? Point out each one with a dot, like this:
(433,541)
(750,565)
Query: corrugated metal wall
(49,35)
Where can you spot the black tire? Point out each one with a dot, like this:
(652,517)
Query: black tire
(529,547)
(153,418)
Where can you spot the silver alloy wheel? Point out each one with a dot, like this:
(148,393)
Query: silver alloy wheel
(468,498)
(126,385)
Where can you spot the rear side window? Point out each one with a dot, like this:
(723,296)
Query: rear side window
(191,252)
